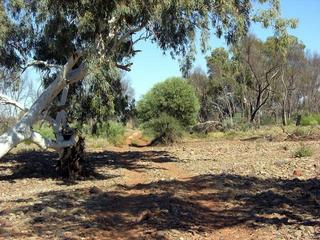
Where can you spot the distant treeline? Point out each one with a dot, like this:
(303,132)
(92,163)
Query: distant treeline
(259,82)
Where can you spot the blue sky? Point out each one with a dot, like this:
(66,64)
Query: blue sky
(151,66)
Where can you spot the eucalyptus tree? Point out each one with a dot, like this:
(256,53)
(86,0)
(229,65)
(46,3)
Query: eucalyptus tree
(311,84)
(68,41)
(200,81)
(101,98)
(296,66)
(259,70)
(291,62)
(223,84)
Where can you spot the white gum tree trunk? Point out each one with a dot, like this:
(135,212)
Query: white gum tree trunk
(23,131)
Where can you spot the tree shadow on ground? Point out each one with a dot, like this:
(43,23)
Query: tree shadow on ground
(39,164)
(29,164)
(200,205)
(131,160)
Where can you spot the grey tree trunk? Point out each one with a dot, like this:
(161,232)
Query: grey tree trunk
(284,101)
(23,131)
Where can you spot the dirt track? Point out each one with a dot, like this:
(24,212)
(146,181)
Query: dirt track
(194,190)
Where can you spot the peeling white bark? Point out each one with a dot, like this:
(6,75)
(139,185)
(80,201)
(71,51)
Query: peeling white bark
(45,143)
(22,130)
(61,118)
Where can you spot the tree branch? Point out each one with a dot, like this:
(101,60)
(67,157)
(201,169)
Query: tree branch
(143,36)
(273,75)
(40,63)
(252,70)
(22,130)
(77,74)
(70,63)
(8,101)
(125,36)
(126,67)
(46,143)
(45,117)
(130,32)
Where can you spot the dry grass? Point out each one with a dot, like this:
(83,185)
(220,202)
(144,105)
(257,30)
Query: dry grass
(96,142)
(274,133)
(303,151)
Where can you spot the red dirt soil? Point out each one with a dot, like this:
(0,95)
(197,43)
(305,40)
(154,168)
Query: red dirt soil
(194,190)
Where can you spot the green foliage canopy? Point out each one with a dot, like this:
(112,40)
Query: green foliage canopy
(106,32)
(51,30)
(175,97)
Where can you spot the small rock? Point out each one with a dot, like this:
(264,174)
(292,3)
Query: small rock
(95,190)
(285,206)
(81,200)
(310,229)
(175,231)
(298,234)
(20,213)
(280,163)
(49,210)
(67,234)
(145,215)
(165,211)
(297,173)
(161,235)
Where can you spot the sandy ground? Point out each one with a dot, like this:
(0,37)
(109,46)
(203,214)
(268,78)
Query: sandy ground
(194,190)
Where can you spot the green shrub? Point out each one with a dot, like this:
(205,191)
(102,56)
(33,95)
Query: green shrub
(167,109)
(45,130)
(310,120)
(245,126)
(303,151)
(227,124)
(113,131)
(302,131)
(82,128)
(175,97)
(267,120)
(165,129)
(236,123)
